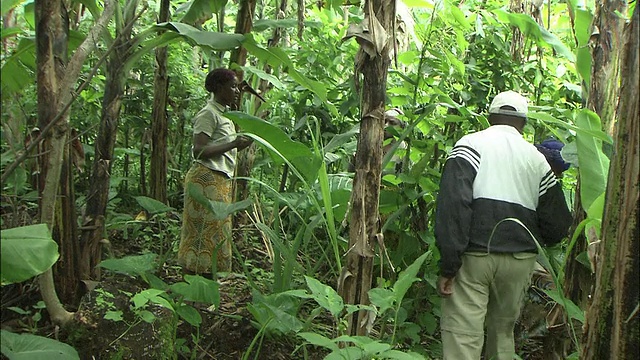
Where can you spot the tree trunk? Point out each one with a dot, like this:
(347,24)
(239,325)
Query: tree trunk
(244,24)
(601,98)
(55,185)
(612,325)
(159,126)
(93,228)
(357,276)
(605,77)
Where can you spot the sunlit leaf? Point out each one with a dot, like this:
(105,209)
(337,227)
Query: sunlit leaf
(26,252)
(594,165)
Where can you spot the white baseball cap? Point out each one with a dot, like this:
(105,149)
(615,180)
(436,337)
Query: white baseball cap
(509,98)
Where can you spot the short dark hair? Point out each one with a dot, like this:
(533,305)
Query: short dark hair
(217,77)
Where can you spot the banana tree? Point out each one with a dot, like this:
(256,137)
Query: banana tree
(373,62)
(128,49)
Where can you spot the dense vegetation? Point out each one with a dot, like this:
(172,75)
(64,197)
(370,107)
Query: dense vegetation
(292,215)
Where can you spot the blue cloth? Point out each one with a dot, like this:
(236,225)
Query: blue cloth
(551,148)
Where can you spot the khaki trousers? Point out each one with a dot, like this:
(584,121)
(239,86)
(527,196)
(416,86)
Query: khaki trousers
(488,290)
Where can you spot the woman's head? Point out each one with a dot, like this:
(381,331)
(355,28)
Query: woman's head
(223,83)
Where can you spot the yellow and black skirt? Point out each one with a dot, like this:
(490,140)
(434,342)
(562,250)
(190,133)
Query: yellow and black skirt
(204,235)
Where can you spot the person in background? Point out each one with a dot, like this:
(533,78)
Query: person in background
(486,258)
(214,150)
(551,149)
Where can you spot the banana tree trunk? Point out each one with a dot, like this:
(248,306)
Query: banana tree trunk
(373,62)
(244,24)
(93,225)
(613,321)
(159,126)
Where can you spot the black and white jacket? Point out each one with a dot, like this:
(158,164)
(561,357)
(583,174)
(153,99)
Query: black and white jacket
(489,176)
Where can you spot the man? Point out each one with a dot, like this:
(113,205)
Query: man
(486,257)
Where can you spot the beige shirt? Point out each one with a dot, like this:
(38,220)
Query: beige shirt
(219,129)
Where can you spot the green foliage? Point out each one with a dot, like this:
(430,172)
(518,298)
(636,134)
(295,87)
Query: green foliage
(33,347)
(593,164)
(140,265)
(26,252)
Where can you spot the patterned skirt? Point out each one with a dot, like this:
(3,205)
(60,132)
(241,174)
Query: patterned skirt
(203,235)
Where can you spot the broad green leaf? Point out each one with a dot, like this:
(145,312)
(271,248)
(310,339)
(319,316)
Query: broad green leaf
(319,340)
(10,31)
(135,265)
(199,289)
(33,347)
(219,209)
(212,40)
(596,210)
(458,15)
(152,206)
(264,76)
(92,6)
(114,315)
(594,165)
(585,131)
(275,319)
(399,355)
(351,353)
(189,314)
(375,348)
(265,24)
(276,57)
(408,277)
(583,19)
(18,70)
(197,10)
(325,296)
(572,309)
(26,252)
(152,295)
(300,156)
(384,299)
(583,65)
(533,30)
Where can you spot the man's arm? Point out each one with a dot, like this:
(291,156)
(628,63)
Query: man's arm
(453,208)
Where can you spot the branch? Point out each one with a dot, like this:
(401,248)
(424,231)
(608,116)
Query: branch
(74,66)
(74,95)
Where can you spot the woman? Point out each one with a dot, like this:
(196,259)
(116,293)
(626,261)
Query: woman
(215,146)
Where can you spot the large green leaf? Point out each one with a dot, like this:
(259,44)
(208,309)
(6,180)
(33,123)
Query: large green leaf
(199,289)
(325,296)
(408,277)
(276,57)
(152,206)
(588,131)
(18,70)
(135,265)
(219,209)
(26,252)
(197,10)
(300,156)
(530,28)
(33,347)
(213,40)
(594,164)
